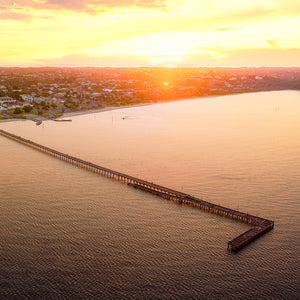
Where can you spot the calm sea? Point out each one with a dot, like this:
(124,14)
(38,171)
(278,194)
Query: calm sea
(66,233)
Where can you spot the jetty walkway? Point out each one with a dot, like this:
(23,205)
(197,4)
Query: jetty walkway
(260,225)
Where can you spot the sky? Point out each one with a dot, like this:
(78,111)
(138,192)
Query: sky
(130,33)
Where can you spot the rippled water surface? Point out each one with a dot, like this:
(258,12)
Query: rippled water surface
(68,233)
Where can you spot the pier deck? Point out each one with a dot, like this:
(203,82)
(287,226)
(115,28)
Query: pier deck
(261,225)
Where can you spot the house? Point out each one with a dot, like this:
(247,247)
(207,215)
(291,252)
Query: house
(7,100)
(27,98)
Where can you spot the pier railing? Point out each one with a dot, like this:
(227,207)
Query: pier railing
(260,225)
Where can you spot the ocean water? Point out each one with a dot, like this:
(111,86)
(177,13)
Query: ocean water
(69,234)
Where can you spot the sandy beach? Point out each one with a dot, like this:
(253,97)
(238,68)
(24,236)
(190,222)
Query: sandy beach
(109,108)
(37,118)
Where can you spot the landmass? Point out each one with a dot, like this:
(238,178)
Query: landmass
(49,93)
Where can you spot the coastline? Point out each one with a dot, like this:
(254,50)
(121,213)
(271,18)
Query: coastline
(108,108)
(37,118)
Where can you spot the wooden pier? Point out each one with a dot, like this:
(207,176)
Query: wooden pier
(260,225)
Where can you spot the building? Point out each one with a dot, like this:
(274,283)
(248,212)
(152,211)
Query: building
(7,100)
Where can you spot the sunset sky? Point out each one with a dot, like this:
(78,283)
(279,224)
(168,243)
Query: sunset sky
(150,33)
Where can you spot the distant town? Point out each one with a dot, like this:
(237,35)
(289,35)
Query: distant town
(49,93)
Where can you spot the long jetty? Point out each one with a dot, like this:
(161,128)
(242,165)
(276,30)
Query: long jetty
(260,225)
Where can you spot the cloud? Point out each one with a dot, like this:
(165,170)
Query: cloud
(273,42)
(255,57)
(15,12)
(80,60)
(15,16)
(219,29)
(257,11)
(90,6)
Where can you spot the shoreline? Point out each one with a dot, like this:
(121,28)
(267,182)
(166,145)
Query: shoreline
(39,119)
(108,108)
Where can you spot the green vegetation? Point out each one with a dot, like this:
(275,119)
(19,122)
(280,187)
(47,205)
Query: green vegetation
(27,108)
(17,111)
